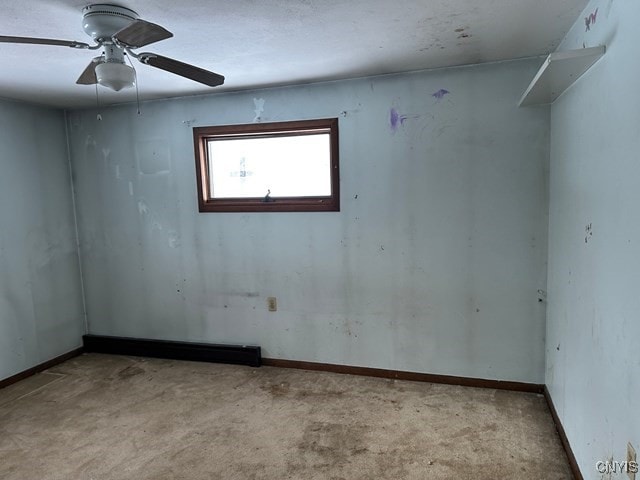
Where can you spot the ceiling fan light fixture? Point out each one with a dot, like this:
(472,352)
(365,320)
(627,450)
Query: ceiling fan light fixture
(115,76)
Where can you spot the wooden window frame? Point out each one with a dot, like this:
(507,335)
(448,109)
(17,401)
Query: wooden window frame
(201,135)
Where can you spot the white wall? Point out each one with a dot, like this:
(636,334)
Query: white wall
(433,264)
(593,333)
(41,314)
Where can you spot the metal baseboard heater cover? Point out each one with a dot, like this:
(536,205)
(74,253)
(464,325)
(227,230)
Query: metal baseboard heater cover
(198,352)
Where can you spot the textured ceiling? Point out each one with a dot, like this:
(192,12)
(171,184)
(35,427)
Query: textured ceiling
(257,43)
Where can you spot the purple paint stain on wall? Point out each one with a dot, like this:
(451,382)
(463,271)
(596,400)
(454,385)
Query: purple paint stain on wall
(395,119)
(439,95)
(591,19)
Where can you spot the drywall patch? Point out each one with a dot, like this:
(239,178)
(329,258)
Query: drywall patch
(145,211)
(174,239)
(258,104)
(153,157)
(142,208)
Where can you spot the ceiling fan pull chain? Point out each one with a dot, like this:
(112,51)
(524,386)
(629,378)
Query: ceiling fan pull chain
(137,91)
(135,76)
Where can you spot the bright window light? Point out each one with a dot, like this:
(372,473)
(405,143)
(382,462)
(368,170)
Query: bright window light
(286,166)
(296,166)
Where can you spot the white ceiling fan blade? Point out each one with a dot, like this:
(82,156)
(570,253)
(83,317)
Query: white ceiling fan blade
(43,41)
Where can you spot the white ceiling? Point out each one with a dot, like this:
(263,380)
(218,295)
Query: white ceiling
(257,43)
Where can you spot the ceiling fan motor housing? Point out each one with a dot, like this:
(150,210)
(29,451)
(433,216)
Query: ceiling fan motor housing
(101,21)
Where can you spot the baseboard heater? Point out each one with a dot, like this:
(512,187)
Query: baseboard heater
(199,352)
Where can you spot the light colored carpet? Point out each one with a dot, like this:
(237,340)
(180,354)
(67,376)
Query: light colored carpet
(109,417)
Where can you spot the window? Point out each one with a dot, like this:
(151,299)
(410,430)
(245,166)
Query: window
(284,166)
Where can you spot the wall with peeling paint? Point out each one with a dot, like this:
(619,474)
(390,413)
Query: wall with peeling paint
(593,333)
(41,313)
(433,264)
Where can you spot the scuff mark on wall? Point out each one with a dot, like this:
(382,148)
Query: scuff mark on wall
(440,94)
(588,232)
(258,103)
(45,249)
(542,295)
(153,157)
(591,20)
(344,113)
(462,35)
(441,129)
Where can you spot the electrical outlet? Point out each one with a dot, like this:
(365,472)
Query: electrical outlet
(272,304)
(632,462)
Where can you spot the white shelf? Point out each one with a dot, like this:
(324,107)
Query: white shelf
(558,73)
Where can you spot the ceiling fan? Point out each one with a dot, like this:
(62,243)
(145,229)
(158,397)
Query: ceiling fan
(118,31)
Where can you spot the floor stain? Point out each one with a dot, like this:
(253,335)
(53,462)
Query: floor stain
(332,444)
(277,390)
(130,371)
